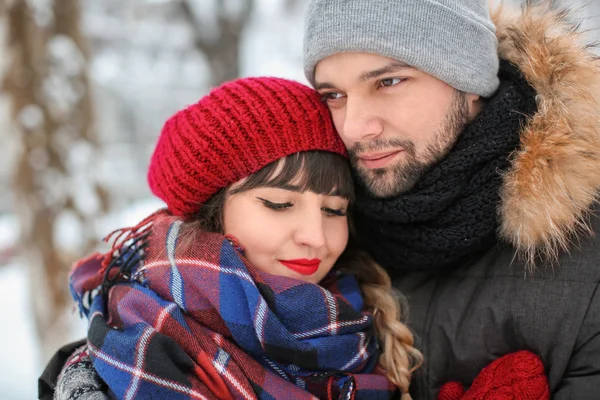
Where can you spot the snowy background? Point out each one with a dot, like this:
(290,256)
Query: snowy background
(143,66)
(144,63)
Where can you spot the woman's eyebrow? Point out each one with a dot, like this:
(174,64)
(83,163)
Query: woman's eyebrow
(336,193)
(285,186)
(299,189)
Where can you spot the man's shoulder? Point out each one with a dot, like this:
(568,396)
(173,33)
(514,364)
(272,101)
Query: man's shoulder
(577,261)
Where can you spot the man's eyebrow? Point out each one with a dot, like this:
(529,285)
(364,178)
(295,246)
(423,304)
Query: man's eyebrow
(325,85)
(392,67)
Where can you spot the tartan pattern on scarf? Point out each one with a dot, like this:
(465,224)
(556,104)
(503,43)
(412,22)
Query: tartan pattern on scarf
(197,321)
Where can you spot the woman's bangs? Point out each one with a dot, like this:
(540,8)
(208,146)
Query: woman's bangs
(315,171)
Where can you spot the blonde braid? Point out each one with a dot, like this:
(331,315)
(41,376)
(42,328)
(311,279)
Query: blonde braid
(398,358)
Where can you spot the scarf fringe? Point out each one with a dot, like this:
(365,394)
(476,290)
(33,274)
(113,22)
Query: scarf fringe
(127,250)
(97,273)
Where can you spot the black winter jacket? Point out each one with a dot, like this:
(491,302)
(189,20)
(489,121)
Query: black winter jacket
(465,318)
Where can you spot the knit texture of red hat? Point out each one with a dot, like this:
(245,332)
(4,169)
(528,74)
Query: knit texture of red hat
(239,128)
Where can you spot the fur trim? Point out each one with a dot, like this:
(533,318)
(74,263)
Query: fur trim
(554,179)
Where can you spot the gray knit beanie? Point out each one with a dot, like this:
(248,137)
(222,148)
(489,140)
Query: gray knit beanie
(453,40)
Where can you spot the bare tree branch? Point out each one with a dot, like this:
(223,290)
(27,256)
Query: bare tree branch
(222,54)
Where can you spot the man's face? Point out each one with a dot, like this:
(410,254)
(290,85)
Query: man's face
(396,121)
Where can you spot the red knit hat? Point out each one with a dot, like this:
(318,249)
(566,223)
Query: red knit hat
(239,128)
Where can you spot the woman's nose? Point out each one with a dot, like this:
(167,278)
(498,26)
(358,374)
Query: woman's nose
(310,230)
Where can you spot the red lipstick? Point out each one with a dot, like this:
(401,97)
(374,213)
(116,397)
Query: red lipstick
(302,266)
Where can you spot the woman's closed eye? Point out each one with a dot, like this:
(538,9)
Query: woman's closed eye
(275,206)
(333,212)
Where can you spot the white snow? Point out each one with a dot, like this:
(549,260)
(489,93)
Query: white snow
(19,354)
(20,359)
(143,68)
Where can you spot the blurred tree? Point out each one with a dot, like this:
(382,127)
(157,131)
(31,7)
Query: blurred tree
(53,179)
(291,5)
(218,29)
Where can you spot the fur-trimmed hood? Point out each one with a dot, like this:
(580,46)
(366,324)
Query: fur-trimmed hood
(550,189)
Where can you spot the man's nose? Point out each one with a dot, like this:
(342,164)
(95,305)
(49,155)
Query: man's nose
(361,122)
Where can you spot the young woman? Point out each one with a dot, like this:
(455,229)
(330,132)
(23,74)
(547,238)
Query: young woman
(245,285)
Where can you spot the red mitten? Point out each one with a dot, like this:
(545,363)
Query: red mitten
(518,375)
(451,391)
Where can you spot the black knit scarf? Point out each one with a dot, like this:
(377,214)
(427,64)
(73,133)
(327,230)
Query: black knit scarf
(450,216)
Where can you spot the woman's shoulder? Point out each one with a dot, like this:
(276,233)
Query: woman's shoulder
(48,380)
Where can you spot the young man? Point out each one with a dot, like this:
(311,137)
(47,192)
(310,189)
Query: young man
(475,140)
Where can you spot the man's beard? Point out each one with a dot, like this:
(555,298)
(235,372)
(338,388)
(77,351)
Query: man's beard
(402,177)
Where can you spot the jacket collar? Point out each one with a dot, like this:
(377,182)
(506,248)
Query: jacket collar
(554,179)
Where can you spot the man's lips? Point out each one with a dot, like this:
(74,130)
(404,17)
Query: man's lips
(302,266)
(378,160)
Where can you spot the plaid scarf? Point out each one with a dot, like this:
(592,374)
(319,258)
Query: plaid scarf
(199,322)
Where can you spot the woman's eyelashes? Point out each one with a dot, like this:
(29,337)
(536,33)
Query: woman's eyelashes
(334,212)
(275,206)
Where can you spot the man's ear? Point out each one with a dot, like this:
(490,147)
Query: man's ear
(475,104)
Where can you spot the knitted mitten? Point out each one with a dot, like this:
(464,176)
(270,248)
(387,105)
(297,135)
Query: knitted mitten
(517,375)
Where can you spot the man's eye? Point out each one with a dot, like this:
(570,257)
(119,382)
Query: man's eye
(390,82)
(275,206)
(331,96)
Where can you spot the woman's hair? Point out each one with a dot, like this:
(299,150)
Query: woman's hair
(316,171)
(399,358)
(328,174)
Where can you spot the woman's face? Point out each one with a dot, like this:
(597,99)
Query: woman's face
(287,232)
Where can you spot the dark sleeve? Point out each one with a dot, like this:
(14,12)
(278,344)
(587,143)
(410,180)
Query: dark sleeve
(47,381)
(582,378)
